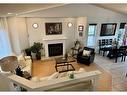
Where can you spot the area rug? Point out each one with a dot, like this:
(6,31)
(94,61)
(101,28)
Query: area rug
(117,70)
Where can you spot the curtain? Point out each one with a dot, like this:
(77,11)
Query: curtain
(5,48)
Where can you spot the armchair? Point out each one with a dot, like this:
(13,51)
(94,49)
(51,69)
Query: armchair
(25,62)
(10,63)
(86,59)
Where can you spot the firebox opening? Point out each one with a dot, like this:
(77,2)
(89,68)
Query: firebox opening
(55,49)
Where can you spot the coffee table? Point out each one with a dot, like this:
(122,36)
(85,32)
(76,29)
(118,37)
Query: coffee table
(64,63)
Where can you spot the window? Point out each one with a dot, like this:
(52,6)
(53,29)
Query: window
(5,48)
(91,35)
(122,25)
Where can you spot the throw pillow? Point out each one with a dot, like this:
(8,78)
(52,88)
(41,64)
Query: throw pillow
(86,53)
(21,57)
(22,64)
(21,61)
(53,76)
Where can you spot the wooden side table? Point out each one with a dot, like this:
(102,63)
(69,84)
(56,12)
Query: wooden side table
(75,51)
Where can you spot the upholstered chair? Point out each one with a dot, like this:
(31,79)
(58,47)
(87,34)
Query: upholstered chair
(88,58)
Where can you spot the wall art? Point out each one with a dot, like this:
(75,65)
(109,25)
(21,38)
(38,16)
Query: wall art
(53,28)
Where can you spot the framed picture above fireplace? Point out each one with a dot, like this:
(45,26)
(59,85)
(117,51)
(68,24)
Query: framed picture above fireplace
(54,28)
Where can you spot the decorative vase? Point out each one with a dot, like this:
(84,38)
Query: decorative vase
(71,75)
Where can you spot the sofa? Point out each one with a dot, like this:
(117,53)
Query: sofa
(87,58)
(25,62)
(10,63)
(83,81)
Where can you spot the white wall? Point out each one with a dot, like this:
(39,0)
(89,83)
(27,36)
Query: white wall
(63,14)
(93,13)
(37,35)
(81,21)
(70,32)
(22,33)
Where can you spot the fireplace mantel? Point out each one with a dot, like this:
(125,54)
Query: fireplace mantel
(53,40)
(50,38)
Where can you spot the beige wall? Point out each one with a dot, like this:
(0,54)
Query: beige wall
(81,21)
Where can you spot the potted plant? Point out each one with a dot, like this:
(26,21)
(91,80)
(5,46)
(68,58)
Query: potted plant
(28,51)
(36,48)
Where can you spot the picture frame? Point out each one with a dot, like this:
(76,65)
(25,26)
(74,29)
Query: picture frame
(81,34)
(80,28)
(108,29)
(53,28)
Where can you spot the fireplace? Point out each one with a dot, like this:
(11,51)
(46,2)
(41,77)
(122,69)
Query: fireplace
(55,49)
(57,44)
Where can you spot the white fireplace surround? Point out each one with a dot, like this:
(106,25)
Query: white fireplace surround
(53,40)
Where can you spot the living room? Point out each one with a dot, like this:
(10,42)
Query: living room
(28,27)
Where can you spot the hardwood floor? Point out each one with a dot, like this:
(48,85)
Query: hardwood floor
(44,68)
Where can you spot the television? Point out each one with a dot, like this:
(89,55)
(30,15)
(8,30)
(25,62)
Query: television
(108,29)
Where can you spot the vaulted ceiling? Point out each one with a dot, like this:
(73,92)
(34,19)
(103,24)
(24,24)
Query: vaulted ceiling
(121,8)
(17,9)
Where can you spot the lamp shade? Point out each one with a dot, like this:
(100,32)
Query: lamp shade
(9,63)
